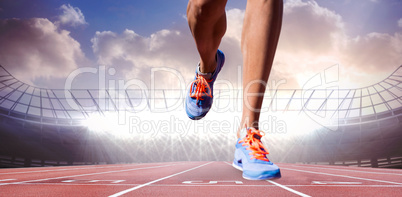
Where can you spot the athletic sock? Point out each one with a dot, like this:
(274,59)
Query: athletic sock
(205,75)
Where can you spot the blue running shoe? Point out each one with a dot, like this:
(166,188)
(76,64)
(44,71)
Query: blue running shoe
(251,157)
(199,99)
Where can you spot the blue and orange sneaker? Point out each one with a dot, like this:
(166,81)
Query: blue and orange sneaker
(251,157)
(200,97)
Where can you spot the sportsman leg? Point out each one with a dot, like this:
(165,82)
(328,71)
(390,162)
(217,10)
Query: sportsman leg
(261,29)
(207,22)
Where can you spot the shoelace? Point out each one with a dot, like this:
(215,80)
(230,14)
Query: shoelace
(258,150)
(202,88)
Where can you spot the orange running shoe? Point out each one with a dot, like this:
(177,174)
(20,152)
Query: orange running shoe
(251,157)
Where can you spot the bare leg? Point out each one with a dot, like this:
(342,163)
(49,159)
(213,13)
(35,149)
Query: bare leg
(207,21)
(261,29)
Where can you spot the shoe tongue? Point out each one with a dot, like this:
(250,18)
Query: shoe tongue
(243,134)
(257,137)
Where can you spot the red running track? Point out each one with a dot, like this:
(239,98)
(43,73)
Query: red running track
(197,179)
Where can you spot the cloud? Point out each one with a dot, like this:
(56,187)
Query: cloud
(36,50)
(374,52)
(400,23)
(313,38)
(133,55)
(71,16)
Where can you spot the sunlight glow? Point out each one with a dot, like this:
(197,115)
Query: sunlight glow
(108,123)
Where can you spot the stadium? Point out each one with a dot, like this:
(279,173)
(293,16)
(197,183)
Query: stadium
(53,127)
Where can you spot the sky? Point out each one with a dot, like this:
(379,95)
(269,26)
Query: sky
(94,44)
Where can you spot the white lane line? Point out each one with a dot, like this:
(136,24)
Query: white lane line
(282,186)
(345,176)
(46,179)
(86,167)
(7,180)
(68,181)
(289,189)
(143,185)
(380,170)
(63,169)
(335,183)
(366,172)
(207,185)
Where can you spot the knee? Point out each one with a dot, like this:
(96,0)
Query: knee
(205,9)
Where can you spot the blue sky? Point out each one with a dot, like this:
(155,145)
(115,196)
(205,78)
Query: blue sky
(144,17)
(152,15)
(316,34)
(365,16)
(104,15)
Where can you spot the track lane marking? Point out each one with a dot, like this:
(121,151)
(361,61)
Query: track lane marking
(346,176)
(154,181)
(335,183)
(346,170)
(7,180)
(89,174)
(60,170)
(381,170)
(205,185)
(283,187)
(65,168)
(289,189)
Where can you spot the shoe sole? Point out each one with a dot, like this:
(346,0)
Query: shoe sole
(194,117)
(275,175)
(237,167)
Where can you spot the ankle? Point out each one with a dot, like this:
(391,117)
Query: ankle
(209,67)
(239,130)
